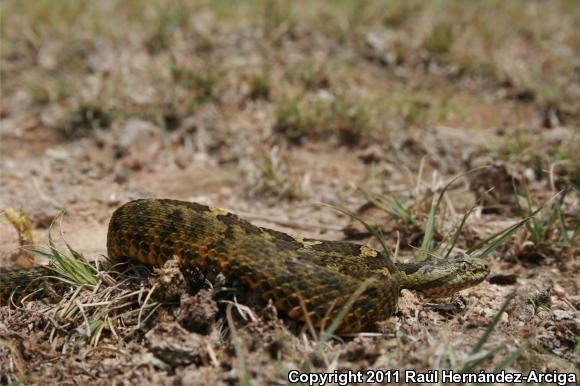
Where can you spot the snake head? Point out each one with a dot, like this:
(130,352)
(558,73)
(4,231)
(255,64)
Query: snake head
(443,277)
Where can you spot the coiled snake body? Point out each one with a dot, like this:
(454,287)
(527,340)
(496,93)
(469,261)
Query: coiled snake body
(304,277)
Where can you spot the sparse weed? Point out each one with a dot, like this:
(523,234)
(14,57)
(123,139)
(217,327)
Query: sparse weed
(46,88)
(204,87)
(84,120)
(312,76)
(201,84)
(392,205)
(278,18)
(261,87)
(548,229)
(351,119)
(73,268)
(441,39)
(374,231)
(297,118)
(398,13)
(413,111)
(323,114)
(416,110)
(517,147)
(169,17)
(97,299)
(481,250)
(274,176)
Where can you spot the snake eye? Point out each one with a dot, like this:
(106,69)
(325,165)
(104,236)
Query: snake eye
(464,266)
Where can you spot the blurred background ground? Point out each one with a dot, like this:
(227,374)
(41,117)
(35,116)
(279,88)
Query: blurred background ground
(268,108)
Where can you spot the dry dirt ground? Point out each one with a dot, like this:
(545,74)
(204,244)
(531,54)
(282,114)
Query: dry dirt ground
(269,110)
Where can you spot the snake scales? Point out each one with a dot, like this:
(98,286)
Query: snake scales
(304,277)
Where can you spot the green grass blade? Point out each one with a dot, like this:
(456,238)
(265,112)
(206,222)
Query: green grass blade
(470,365)
(488,331)
(374,231)
(430,224)
(428,235)
(39,253)
(327,334)
(457,233)
(244,375)
(511,358)
(74,268)
(392,205)
(498,238)
(82,267)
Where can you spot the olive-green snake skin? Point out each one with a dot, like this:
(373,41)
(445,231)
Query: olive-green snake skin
(305,278)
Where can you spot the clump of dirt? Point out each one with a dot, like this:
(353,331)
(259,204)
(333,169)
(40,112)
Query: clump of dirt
(176,346)
(199,312)
(170,281)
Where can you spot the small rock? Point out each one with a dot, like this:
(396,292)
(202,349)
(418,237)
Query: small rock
(530,175)
(552,117)
(557,289)
(504,317)
(148,359)
(176,346)
(562,315)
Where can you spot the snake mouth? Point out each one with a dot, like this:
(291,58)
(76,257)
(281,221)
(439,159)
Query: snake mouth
(450,288)
(459,283)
